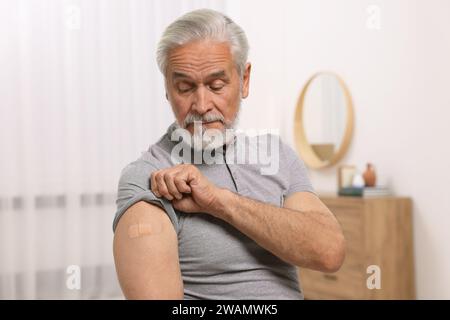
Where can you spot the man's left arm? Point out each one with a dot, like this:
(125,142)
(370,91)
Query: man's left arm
(304,232)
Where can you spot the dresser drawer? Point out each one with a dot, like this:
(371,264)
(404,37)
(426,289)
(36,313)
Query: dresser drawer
(377,231)
(344,284)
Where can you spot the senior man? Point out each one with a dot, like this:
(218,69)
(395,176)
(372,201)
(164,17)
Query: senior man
(221,230)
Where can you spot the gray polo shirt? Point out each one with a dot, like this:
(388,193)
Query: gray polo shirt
(217,261)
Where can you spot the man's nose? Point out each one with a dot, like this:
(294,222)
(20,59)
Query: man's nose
(202,103)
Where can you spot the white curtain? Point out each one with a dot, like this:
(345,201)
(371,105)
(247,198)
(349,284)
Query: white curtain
(80,97)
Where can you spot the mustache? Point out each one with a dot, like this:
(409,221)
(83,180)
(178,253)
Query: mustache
(207,117)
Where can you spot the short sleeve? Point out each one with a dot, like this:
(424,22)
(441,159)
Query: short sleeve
(297,172)
(134,186)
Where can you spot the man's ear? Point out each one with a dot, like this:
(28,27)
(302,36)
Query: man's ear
(246,80)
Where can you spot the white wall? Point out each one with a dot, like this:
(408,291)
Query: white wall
(399,80)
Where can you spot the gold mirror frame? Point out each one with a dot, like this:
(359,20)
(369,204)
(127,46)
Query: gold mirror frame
(301,142)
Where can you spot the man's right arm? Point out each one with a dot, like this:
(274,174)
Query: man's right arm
(146,254)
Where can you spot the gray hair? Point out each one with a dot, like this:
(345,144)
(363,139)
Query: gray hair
(203,24)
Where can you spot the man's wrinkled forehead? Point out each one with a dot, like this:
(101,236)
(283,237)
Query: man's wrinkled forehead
(201,58)
(219,74)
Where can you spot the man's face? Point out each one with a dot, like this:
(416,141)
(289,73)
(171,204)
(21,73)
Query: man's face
(202,80)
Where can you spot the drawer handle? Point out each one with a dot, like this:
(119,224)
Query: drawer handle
(330,277)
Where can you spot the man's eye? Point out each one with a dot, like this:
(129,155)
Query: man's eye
(216,86)
(184,87)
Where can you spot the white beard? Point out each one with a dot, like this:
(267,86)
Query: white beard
(204,139)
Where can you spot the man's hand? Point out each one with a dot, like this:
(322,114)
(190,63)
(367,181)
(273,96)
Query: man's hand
(187,188)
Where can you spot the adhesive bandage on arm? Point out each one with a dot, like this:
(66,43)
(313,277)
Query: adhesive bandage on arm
(143,229)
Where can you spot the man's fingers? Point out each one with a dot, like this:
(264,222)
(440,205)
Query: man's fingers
(171,187)
(171,183)
(153,184)
(161,186)
(181,184)
(186,204)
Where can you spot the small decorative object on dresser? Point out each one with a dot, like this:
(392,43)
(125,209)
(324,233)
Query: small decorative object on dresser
(379,251)
(358,181)
(345,176)
(369,176)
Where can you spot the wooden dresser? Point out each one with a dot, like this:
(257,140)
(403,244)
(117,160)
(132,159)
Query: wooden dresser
(378,231)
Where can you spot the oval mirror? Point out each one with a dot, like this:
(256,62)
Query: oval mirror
(323,123)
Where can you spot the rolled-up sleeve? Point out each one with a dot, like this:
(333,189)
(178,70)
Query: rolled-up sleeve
(134,186)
